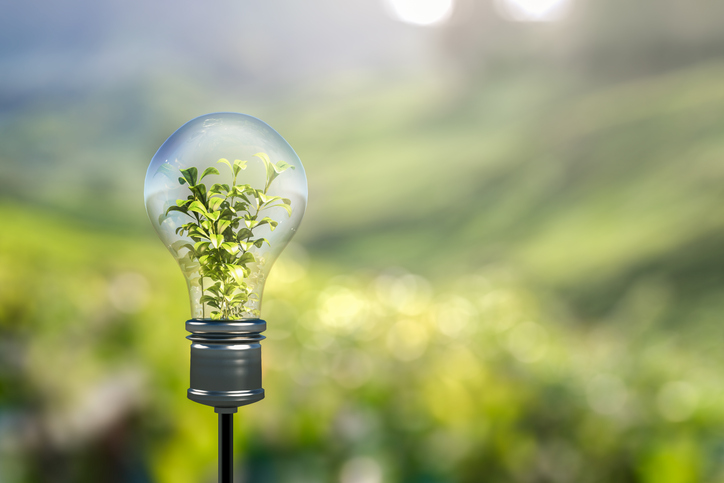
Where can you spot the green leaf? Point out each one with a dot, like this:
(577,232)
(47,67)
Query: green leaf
(177,208)
(215,202)
(217,189)
(201,246)
(243,233)
(222,225)
(199,190)
(238,166)
(281,166)
(238,273)
(240,189)
(268,199)
(198,207)
(208,299)
(286,208)
(270,171)
(198,231)
(266,220)
(232,248)
(258,243)
(264,157)
(217,240)
(247,257)
(208,171)
(190,175)
(228,288)
(226,162)
(182,181)
(249,221)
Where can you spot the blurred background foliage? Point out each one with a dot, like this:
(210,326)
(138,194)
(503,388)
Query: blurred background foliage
(511,268)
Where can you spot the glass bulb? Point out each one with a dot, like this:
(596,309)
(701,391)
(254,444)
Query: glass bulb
(225,194)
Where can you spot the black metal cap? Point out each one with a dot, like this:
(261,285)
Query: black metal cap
(226,362)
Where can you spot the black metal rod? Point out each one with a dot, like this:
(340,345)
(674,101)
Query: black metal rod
(226,447)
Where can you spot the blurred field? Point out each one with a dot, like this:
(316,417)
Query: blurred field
(519,284)
(365,373)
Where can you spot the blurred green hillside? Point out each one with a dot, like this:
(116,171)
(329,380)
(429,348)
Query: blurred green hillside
(380,376)
(586,190)
(520,278)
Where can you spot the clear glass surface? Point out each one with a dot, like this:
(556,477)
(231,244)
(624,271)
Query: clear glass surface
(226,221)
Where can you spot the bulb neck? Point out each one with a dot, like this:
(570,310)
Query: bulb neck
(226,362)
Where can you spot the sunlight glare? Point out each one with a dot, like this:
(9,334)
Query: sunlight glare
(420,12)
(533,10)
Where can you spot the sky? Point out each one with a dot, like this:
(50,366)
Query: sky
(78,44)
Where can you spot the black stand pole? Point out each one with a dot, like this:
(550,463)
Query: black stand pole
(226,447)
(226,374)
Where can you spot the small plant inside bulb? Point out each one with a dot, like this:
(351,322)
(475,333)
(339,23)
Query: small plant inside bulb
(221,223)
(225,194)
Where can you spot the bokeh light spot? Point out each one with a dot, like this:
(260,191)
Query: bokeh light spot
(407,340)
(292,265)
(340,307)
(420,12)
(528,342)
(606,394)
(361,470)
(533,10)
(352,368)
(408,294)
(677,401)
(453,316)
(129,292)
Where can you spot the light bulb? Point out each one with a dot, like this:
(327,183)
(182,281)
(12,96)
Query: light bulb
(225,194)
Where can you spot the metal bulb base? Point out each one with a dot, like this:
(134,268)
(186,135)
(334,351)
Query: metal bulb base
(226,362)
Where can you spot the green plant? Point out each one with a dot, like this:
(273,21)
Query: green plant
(223,220)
